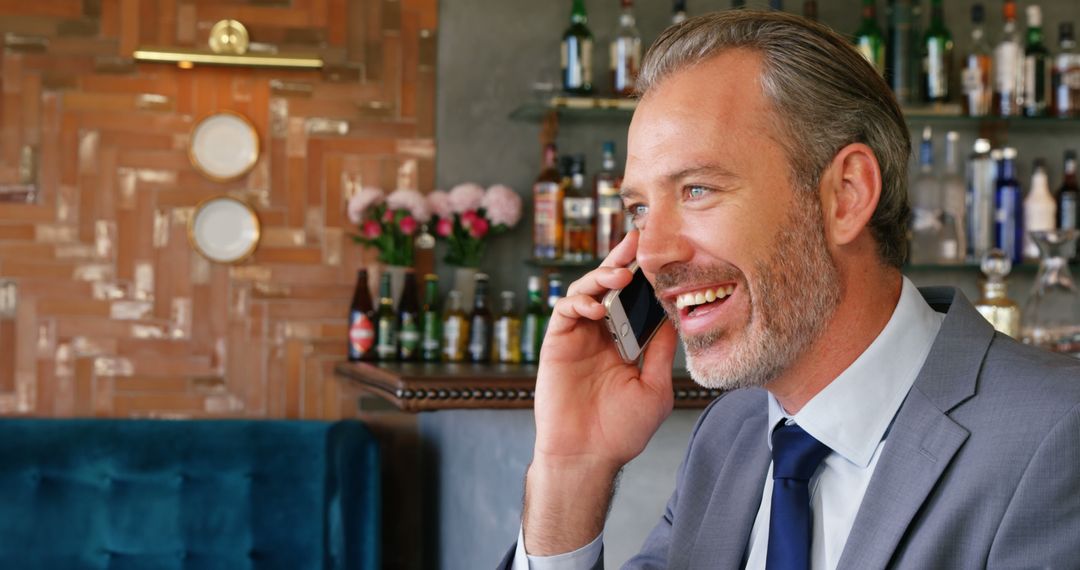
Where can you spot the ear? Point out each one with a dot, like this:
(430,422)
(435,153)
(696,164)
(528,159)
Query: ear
(850,190)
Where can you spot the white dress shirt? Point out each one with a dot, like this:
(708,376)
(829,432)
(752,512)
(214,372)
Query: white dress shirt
(851,415)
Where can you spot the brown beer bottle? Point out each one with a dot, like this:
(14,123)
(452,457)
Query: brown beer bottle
(361,321)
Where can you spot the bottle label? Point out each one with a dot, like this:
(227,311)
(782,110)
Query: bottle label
(937,78)
(1006,60)
(409,338)
(387,344)
(972,80)
(361,335)
(529,331)
(1068,212)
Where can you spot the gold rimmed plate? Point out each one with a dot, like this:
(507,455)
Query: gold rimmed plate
(224,146)
(224,230)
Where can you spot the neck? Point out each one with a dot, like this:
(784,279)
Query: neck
(868,300)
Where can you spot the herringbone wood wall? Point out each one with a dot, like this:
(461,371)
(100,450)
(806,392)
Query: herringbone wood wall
(107,310)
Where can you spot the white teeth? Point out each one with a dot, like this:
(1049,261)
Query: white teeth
(702,297)
(699,298)
(710,296)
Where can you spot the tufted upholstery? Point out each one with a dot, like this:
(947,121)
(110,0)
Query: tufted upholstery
(152,494)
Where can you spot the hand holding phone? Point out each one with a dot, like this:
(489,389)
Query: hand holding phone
(633,315)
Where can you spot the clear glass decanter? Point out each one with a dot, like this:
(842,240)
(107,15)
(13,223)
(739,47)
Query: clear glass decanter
(1051,316)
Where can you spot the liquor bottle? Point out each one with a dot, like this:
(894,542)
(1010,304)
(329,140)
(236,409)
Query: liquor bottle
(386,345)
(1065,78)
(868,38)
(579,214)
(408,313)
(1040,209)
(361,321)
(532,324)
(577,56)
(1009,209)
(555,292)
(981,174)
(926,220)
(506,342)
(455,327)
(1068,199)
(609,210)
(809,10)
(898,68)
(479,345)
(1036,66)
(937,63)
(916,55)
(678,12)
(625,53)
(976,77)
(1008,66)
(954,201)
(994,304)
(547,208)
(430,321)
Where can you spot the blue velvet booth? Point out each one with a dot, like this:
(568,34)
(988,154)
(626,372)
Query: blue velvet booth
(150,494)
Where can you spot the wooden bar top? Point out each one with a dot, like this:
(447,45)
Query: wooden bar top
(421,387)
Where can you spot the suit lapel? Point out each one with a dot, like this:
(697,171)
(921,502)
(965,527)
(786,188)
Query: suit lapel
(724,532)
(922,439)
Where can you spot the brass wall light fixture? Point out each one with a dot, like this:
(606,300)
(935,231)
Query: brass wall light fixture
(229,44)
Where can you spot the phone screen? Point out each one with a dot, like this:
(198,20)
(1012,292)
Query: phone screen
(641,307)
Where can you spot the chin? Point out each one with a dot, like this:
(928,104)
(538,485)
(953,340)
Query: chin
(726,368)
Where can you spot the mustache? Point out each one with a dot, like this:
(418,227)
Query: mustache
(682,274)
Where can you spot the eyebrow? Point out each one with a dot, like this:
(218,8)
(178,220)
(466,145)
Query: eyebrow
(713,170)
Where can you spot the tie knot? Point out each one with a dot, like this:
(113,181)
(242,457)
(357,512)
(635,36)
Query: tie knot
(796,454)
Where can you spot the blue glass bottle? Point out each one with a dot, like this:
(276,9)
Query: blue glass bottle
(1008,203)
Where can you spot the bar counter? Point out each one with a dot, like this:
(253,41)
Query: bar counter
(421,387)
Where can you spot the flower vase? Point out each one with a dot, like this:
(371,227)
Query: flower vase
(465,283)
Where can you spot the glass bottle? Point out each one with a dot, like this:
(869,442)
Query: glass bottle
(506,341)
(555,292)
(1051,315)
(994,304)
(579,214)
(430,321)
(981,175)
(386,345)
(898,70)
(479,346)
(1008,66)
(408,312)
(976,77)
(577,53)
(678,12)
(1036,66)
(916,55)
(926,208)
(1008,207)
(1040,209)
(532,323)
(809,10)
(361,321)
(937,62)
(609,208)
(547,208)
(868,38)
(954,202)
(625,53)
(1068,200)
(455,327)
(1065,77)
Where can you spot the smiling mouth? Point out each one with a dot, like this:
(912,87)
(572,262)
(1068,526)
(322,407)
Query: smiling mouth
(700,301)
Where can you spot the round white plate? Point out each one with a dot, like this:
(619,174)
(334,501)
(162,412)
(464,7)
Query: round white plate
(224,146)
(224,230)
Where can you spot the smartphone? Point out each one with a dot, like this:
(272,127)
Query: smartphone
(633,315)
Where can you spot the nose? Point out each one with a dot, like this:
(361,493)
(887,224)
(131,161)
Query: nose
(661,240)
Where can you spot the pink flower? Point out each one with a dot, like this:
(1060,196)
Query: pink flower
(361,201)
(469,218)
(439,203)
(408,225)
(503,206)
(465,197)
(372,229)
(388,216)
(411,200)
(444,227)
(479,228)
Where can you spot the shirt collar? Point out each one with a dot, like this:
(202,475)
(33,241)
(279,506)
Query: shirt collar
(852,413)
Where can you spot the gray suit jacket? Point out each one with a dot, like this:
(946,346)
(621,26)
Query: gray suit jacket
(981,468)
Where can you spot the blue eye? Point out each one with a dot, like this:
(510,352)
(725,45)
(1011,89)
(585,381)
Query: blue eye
(636,213)
(695,192)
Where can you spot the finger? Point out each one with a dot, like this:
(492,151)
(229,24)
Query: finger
(623,253)
(600,281)
(659,358)
(569,310)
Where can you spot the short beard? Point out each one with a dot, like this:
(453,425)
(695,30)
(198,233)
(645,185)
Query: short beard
(796,291)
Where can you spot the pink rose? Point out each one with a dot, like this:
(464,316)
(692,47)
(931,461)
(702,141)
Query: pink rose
(439,203)
(372,229)
(479,228)
(388,216)
(469,218)
(464,197)
(503,206)
(444,227)
(361,201)
(408,225)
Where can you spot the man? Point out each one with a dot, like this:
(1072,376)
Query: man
(767,160)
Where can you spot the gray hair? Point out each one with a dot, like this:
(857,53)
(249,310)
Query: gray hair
(826,95)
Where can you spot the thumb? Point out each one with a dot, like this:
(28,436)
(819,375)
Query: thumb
(659,358)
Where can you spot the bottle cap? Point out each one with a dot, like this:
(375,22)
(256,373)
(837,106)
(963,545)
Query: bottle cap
(609,147)
(982,146)
(978,14)
(927,133)
(996,265)
(952,136)
(480,277)
(430,277)
(1009,153)
(996,154)
(534,283)
(507,295)
(1034,16)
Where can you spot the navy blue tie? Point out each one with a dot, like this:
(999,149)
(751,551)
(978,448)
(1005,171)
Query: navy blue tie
(796,455)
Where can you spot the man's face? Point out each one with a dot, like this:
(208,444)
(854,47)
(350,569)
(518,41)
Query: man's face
(711,191)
